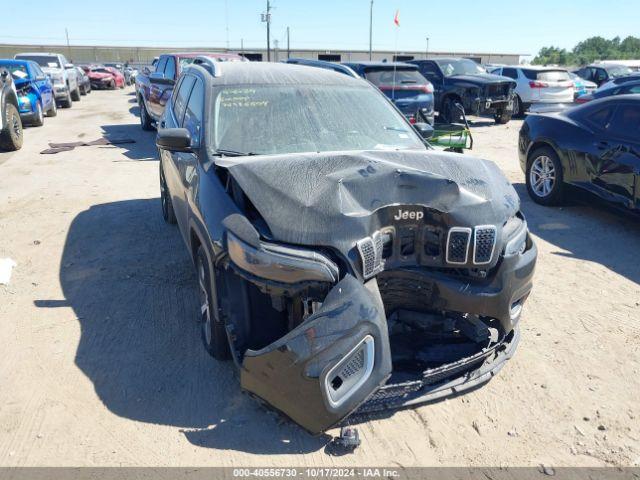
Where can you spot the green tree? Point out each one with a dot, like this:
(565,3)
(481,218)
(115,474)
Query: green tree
(590,50)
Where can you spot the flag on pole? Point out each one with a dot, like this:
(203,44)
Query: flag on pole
(396,19)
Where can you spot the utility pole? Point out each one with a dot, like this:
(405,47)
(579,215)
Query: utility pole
(275,50)
(66,32)
(371,32)
(242,47)
(288,45)
(427,55)
(266,17)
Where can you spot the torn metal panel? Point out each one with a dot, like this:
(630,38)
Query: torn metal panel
(307,374)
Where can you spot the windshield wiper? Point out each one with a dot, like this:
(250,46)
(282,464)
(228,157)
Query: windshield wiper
(223,152)
(395,129)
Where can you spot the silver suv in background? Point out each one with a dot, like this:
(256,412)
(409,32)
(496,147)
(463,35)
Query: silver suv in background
(63,75)
(539,86)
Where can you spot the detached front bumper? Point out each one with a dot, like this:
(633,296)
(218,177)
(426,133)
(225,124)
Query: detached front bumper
(339,359)
(486,106)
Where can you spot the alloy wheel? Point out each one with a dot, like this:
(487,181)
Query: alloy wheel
(542,176)
(205,312)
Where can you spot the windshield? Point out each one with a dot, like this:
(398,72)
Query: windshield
(42,60)
(460,66)
(388,76)
(17,70)
(615,72)
(307,118)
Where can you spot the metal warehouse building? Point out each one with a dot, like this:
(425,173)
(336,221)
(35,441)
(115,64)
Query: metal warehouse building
(137,55)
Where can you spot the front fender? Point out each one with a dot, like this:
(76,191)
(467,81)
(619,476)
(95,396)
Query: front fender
(323,370)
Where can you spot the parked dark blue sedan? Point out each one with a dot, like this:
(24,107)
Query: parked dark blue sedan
(35,91)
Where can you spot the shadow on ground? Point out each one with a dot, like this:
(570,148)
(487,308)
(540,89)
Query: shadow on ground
(130,282)
(587,229)
(144,147)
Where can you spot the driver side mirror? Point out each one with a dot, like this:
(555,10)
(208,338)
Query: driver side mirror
(424,130)
(158,77)
(174,139)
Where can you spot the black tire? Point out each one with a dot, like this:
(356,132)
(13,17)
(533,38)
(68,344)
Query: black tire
(66,102)
(214,334)
(450,113)
(11,135)
(53,111)
(38,116)
(518,108)
(83,90)
(543,164)
(75,95)
(145,120)
(168,213)
(502,116)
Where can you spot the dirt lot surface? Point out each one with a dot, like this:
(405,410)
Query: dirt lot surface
(101,361)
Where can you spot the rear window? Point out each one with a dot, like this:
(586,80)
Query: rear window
(43,61)
(547,75)
(395,77)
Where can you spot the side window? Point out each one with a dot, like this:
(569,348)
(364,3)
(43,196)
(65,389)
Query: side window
(182,97)
(599,118)
(601,75)
(161,64)
(175,92)
(170,70)
(634,89)
(193,113)
(626,122)
(431,71)
(510,72)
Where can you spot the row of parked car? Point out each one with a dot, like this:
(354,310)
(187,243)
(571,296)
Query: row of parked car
(34,85)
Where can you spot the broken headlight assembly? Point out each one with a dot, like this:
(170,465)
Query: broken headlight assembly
(516,233)
(281,263)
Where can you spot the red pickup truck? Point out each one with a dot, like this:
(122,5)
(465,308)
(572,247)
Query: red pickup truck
(154,88)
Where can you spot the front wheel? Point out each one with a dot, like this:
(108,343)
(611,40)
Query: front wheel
(11,135)
(451,112)
(38,115)
(214,335)
(75,95)
(66,102)
(544,177)
(502,116)
(53,109)
(165,199)
(145,119)
(517,109)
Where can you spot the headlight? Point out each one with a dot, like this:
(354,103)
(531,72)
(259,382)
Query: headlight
(517,239)
(25,102)
(57,78)
(280,263)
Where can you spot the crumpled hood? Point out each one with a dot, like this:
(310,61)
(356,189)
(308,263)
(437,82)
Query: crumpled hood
(481,79)
(332,198)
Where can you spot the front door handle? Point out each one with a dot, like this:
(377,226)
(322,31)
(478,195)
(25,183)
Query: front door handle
(602,145)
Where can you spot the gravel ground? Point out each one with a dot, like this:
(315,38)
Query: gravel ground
(102,363)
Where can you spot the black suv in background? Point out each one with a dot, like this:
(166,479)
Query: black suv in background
(602,73)
(460,80)
(10,123)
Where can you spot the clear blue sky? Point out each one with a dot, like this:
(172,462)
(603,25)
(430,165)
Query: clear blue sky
(510,26)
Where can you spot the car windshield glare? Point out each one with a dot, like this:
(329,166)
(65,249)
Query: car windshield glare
(283,119)
(43,61)
(460,67)
(615,72)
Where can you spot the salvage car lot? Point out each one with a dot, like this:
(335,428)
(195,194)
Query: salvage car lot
(103,365)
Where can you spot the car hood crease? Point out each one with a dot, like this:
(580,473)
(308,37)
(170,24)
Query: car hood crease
(332,198)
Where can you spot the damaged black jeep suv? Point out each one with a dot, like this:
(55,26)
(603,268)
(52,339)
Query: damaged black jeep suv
(343,264)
